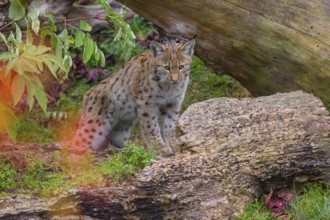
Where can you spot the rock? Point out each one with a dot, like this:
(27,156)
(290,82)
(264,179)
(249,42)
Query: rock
(231,150)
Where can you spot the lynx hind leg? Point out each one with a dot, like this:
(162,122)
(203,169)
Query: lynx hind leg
(91,133)
(120,133)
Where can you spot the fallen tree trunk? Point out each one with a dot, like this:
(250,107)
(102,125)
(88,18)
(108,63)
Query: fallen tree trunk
(230,150)
(268,46)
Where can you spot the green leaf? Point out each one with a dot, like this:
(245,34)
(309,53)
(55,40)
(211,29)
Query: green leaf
(67,63)
(16,10)
(18,34)
(52,25)
(7,55)
(28,37)
(85,26)
(41,98)
(80,38)
(88,49)
(11,65)
(97,53)
(3,38)
(53,69)
(17,88)
(102,59)
(64,34)
(35,23)
(56,44)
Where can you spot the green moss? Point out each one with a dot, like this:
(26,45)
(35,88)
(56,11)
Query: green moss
(8,176)
(128,161)
(206,84)
(43,178)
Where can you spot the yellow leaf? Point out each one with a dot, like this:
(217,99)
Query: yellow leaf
(8,121)
(29,66)
(17,88)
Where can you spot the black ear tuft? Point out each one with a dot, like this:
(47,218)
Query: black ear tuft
(156,49)
(188,48)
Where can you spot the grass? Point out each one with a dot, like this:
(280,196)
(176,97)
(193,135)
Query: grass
(126,162)
(29,130)
(312,203)
(65,171)
(255,211)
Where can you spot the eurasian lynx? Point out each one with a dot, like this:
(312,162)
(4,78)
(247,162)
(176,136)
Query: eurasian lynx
(150,87)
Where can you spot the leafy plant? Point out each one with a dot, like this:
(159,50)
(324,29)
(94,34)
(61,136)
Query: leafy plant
(123,34)
(8,176)
(126,162)
(25,60)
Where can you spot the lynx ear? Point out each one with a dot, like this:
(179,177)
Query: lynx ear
(188,48)
(156,49)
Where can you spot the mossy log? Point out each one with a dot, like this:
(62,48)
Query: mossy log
(268,46)
(230,151)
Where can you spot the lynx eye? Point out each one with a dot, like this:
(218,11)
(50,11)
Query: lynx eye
(181,67)
(167,67)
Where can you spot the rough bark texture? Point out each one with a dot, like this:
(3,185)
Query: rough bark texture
(231,150)
(268,46)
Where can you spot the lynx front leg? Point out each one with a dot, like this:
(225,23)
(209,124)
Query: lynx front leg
(170,116)
(150,130)
(121,133)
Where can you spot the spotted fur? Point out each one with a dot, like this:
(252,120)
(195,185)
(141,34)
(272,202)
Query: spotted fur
(149,87)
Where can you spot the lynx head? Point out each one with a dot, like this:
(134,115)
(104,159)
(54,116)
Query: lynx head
(172,61)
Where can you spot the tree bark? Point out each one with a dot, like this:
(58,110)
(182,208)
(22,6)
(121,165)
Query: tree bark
(230,151)
(268,46)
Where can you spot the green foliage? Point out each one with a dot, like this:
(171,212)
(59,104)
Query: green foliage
(313,204)
(29,130)
(206,84)
(141,29)
(42,177)
(123,35)
(255,211)
(25,60)
(131,159)
(16,10)
(8,176)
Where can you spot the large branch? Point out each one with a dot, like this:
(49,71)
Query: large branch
(269,46)
(231,149)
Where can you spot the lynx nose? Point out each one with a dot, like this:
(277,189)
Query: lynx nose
(175,78)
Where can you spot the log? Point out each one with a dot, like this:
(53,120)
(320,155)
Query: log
(268,46)
(230,151)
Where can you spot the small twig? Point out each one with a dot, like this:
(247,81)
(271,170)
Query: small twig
(78,19)
(6,25)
